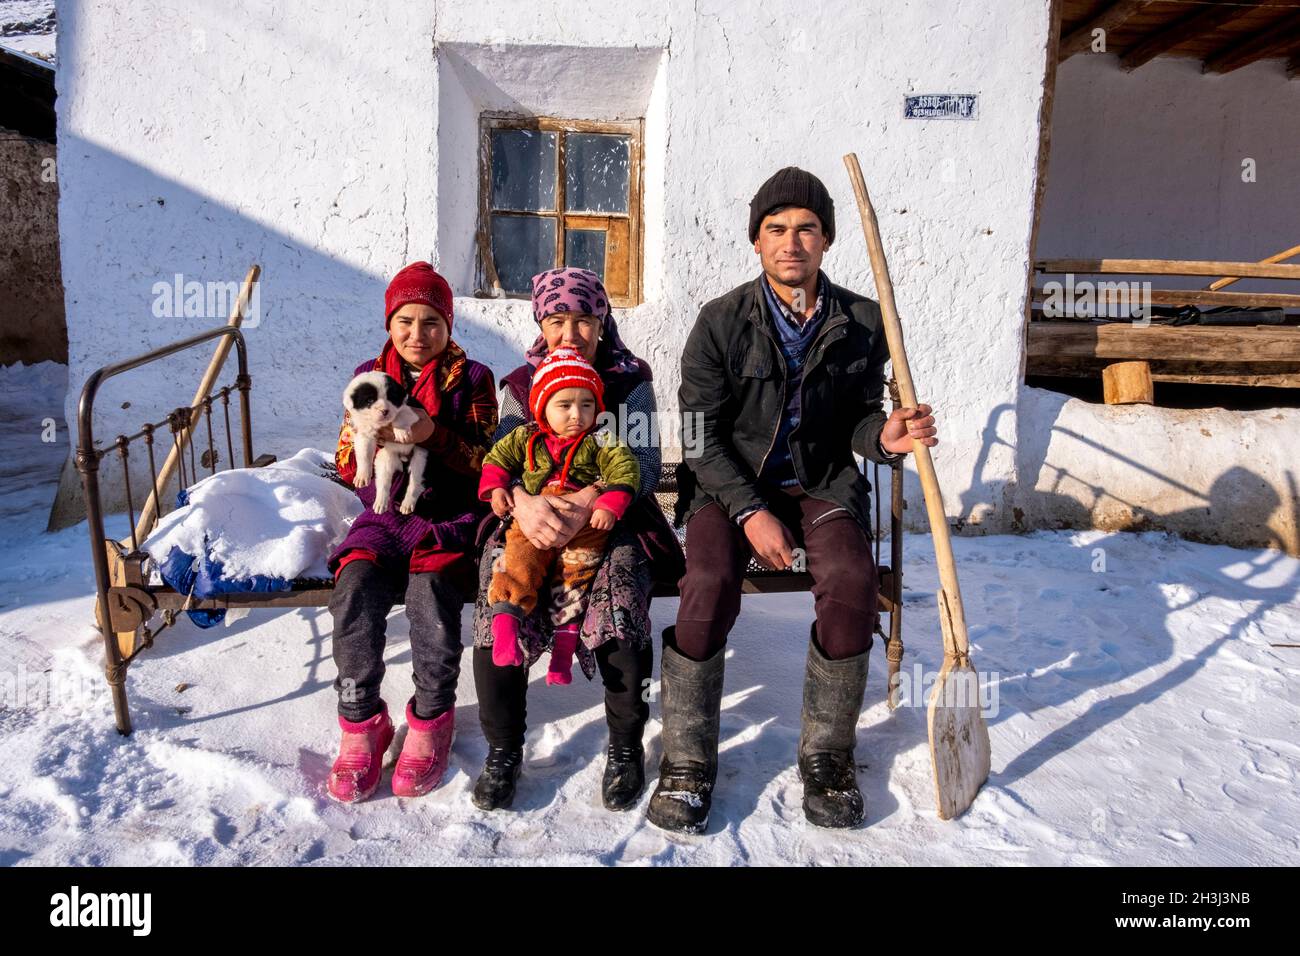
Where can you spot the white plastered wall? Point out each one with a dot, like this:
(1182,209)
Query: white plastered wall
(309,136)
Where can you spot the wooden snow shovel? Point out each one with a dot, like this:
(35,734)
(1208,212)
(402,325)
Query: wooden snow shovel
(959,741)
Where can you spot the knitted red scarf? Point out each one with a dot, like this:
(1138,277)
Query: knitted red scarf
(426,384)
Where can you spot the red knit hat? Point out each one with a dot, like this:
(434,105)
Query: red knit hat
(561,369)
(418,282)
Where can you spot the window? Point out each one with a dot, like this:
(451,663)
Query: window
(559,193)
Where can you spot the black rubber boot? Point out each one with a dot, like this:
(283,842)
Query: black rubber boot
(832,702)
(495,787)
(624,776)
(625,670)
(692,701)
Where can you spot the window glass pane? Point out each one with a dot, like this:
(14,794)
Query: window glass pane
(522,246)
(585,249)
(523,169)
(596,172)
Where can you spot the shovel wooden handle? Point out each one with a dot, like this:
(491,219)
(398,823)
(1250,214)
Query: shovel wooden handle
(149,513)
(1275,257)
(951,613)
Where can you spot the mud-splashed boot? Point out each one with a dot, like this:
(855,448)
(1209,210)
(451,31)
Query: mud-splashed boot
(356,770)
(832,702)
(691,706)
(425,752)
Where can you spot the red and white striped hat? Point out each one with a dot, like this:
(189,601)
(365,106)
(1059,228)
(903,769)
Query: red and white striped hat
(560,369)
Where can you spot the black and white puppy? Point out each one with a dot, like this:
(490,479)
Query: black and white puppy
(373,400)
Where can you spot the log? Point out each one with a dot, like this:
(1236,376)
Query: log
(1127,383)
(1275,39)
(1166,38)
(1113,16)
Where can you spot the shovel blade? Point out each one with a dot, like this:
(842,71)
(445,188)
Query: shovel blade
(959,740)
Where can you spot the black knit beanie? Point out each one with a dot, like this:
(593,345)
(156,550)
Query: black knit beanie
(792,186)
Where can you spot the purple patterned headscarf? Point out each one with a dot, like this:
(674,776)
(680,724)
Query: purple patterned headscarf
(579,290)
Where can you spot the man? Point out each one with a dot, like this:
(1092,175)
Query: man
(785,373)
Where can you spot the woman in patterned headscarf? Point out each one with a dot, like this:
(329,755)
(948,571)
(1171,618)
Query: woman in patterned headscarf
(572,310)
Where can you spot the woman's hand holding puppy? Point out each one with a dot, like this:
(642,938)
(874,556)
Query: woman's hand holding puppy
(417,434)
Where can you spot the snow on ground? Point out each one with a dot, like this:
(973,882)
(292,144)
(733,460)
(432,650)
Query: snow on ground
(1143,717)
(28,26)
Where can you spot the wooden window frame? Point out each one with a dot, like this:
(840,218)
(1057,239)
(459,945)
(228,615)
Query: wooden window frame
(489,285)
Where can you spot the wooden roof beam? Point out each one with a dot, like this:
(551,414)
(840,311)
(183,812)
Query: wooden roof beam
(1275,39)
(1110,18)
(1180,31)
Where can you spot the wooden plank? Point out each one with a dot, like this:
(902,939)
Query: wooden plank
(1085,368)
(1280,380)
(123,572)
(1090,366)
(618,277)
(561,202)
(1277,300)
(1119,341)
(490,280)
(1282,256)
(1110,18)
(1275,39)
(1169,267)
(636,207)
(305,597)
(774,582)
(497,119)
(1180,31)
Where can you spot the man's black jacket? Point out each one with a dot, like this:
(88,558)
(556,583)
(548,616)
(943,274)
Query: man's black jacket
(733,393)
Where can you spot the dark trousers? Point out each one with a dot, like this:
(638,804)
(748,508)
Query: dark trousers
(503,694)
(364,594)
(838,553)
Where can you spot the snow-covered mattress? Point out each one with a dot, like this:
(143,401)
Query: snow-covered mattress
(254,529)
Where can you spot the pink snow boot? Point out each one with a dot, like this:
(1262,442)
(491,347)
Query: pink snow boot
(355,773)
(425,753)
(505,641)
(566,642)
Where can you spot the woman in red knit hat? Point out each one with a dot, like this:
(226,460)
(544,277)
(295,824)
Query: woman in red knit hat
(425,560)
